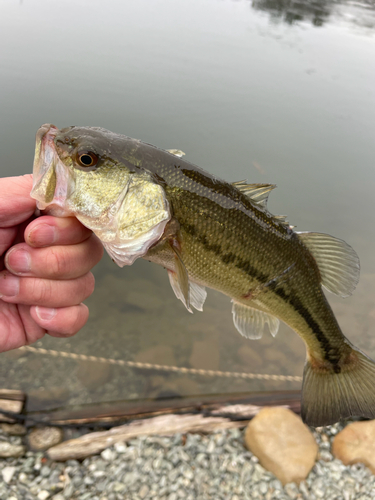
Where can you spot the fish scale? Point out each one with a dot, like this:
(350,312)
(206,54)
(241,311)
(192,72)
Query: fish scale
(142,201)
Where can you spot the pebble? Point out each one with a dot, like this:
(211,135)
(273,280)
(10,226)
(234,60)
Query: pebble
(212,467)
(108,454)
(8,449)
(42,438)
(13,429)
(43,495)
(8,473)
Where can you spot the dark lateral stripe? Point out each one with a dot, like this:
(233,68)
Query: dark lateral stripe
(226,258)
(232,193)
(208,182)
(331,354)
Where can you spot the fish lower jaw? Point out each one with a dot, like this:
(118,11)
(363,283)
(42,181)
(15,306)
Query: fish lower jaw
(53,209)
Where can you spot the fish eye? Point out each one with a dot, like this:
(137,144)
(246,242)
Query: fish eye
(87,159)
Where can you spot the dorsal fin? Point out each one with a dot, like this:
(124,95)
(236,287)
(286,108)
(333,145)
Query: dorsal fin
(281,218)
(258,193)
(337,261)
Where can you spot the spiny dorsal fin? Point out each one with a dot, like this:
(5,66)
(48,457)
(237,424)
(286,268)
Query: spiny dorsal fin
(337,261)
(251,323)
(176,152)
(258,193)
(281,218)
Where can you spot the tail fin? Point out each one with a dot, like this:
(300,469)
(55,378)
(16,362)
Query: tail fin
(328,397)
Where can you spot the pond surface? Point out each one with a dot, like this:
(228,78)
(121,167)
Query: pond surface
(269,91)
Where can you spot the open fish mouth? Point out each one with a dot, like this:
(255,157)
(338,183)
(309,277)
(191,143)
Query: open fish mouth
(51,181)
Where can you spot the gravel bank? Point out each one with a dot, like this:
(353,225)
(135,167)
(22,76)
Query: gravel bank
(191,467)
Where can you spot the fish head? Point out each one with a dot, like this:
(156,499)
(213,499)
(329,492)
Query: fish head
(88,172)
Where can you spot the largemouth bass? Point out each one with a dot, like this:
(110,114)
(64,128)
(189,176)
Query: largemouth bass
(142,201)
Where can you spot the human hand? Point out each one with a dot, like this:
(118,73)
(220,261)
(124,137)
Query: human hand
(44,269)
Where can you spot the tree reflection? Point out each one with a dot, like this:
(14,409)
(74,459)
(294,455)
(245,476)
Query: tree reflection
(319,11)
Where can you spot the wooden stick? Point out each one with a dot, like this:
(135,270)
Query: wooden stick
(93,443)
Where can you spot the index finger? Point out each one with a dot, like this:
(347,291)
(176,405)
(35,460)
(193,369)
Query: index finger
(48,230)
(16,205)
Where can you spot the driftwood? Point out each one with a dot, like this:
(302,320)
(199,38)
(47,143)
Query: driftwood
(11,401)
(108,414)
(223,417)
(95,442)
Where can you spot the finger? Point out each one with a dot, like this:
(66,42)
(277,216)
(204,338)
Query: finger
(43,292)
(17,327)
(7,236)
(62,322)
(16,205)
(47,230)
(61,262)
(33,331)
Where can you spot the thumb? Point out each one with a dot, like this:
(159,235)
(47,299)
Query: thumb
(16,205)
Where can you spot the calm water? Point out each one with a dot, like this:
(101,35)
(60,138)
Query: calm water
(271,91)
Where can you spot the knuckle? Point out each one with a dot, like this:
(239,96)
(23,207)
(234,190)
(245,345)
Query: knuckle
(78,321)
(41,291)
(58,264)
(89,285)
(97,245)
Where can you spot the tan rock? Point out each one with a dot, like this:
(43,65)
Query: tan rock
(283,444)
(13,429)
(42,438)
(356,444)
(11,450)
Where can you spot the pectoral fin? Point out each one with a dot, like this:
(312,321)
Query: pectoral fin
(251,323)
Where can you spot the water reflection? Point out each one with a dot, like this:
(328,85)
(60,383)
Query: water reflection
(318,12)
(235,92)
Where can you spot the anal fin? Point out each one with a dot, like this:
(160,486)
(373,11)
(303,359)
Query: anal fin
(251,322)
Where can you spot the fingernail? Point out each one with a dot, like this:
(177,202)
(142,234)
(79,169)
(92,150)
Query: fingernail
(18,261)
(42,235)
(45,313)
(9,285)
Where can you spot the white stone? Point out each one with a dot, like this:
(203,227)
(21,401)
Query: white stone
(43,495)
(8,473)
(108,455)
